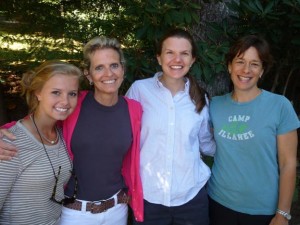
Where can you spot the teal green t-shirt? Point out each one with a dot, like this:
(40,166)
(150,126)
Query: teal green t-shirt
(245,173)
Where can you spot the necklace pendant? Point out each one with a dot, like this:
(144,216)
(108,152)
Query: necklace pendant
(52,142)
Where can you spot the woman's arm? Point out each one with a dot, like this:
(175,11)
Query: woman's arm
(206,138)
(9,171)
(287,158)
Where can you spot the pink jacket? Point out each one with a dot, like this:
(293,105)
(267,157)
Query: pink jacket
(131,162)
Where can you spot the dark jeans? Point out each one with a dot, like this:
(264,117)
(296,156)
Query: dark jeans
(194,212)
(221,215)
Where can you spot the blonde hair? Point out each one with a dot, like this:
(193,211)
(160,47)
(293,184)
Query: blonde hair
(35,79)
(101,42)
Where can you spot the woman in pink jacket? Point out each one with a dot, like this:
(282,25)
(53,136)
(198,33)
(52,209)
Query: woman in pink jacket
(102,136)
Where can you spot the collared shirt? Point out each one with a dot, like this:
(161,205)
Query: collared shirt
(173,135)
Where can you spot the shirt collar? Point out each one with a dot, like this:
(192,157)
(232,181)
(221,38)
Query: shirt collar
(160,85)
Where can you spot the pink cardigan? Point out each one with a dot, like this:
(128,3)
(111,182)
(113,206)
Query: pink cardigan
(131,162)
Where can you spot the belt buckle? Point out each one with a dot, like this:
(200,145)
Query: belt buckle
(93,209)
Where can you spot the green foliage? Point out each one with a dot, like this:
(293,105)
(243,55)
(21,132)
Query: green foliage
(276,20)
(148,21)
(137,24)
(59,28)
(55,25)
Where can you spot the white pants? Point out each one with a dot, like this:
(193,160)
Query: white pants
(116,215)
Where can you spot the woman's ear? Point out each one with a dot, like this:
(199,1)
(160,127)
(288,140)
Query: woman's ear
(38,95)
(88,76)
(158,59)
(261,73)
(193,60)
(229,68)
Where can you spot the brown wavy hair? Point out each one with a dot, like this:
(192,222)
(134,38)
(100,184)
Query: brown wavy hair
(244,43)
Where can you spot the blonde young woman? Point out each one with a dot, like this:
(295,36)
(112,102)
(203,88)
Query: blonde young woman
(32,183)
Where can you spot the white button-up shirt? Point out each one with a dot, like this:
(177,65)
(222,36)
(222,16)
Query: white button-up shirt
(173,135)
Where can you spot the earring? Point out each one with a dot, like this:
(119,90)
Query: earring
(91,83)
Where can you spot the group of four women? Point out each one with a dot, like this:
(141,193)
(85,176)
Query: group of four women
(146,149)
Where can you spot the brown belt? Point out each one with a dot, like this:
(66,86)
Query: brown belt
(100,206)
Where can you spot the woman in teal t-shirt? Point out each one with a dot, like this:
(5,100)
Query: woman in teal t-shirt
(254,173)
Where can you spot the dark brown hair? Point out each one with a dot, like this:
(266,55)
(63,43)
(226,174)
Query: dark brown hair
(244,43)
(196,92)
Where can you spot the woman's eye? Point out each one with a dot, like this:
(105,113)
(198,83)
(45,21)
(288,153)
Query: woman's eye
(99,68)
(115,66)
(254,64)
(55,92)
(73,94)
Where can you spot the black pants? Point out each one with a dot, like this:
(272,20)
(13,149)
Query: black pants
(221,215)
(194,212)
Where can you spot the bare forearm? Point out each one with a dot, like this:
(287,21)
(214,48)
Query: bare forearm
(287,183)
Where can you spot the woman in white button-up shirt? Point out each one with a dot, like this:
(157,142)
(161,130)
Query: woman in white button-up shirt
(175,132)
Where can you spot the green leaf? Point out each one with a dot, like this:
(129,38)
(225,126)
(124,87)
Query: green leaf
(141,32)
(195,6)
(196,71)
(196,17)
(259,5)
(233,6)
(207,72)
(251,6)
(187,16)
(269,7)
(220,68)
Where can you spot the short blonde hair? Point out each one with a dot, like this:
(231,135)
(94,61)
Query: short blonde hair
(101,42)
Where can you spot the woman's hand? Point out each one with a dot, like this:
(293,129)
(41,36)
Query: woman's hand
(279,220)
(7,149)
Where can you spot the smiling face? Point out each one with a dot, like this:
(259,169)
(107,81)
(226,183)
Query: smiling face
(106,71)
(58,97)
(176,57)
(245,70)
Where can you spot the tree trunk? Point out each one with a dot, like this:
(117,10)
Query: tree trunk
(212,12)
